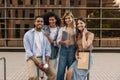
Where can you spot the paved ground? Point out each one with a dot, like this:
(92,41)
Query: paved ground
(106,66)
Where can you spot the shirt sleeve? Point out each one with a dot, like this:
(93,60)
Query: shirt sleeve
(27,46)
(48,48)
(59,35)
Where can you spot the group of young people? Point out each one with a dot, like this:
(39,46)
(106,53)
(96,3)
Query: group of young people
(57,58)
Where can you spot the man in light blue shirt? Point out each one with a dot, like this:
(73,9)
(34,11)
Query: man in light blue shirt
(38,51)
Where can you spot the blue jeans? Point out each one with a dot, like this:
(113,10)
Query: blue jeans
(67,57)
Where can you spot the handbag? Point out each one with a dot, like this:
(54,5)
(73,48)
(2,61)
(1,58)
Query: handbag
(83,61)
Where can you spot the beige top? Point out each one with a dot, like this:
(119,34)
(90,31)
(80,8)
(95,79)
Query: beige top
(89,40)
(72,33)
(72,36)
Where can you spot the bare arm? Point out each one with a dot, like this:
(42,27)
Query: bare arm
(40,65)
(86,42)
(47,35)
(77,55)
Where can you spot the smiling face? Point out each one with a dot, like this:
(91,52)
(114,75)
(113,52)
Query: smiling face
(80,25)
(39,22)
(68,19)
(52,21)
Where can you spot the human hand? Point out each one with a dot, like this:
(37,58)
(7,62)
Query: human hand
(45,66)
(46,33)
(85,31)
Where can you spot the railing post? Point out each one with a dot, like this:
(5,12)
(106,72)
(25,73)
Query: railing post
(38,73)
(4,67)
(88,76)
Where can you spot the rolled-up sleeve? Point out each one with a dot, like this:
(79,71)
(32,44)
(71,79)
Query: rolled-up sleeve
(27,46)
(59,35)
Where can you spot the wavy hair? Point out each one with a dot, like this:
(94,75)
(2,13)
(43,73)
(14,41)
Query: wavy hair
(51,14)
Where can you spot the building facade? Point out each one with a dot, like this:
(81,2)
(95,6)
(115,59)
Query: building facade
(103,18)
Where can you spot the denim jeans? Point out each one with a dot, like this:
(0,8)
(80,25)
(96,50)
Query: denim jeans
(67,57)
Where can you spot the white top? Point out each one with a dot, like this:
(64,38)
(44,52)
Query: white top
(38,42)
(53,32)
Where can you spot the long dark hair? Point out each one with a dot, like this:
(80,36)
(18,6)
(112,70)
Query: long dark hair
(78,33)
(51,14)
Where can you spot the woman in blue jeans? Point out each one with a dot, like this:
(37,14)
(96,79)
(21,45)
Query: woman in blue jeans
(84,39)
(67,51)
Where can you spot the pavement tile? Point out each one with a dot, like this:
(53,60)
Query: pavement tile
(106,66)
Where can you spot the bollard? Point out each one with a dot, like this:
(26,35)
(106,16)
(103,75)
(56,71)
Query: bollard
(38,72)
(88,76)
(2,58)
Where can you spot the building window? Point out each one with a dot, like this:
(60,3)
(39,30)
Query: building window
(17,31)
(41,1)
(51,2)
(3,1)
(10,1)
(26,28)
(59,2)
(16,13)
(31,2)
(20,2)
(79,2)
(8,13)
(0,14)
(3,30)
(71,2)
(23,13)
(45,11)
(31,13)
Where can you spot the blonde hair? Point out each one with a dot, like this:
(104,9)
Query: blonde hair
(68,13)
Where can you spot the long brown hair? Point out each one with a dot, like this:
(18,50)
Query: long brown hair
(78,32)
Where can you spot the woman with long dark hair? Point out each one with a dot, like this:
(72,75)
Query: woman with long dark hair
(84,39)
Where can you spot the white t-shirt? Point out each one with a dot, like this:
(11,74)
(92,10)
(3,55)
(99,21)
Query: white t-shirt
(53,32)
(38,42)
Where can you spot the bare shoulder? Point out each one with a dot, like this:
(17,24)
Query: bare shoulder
(90,34)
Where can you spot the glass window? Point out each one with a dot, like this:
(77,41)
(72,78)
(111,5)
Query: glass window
(71,2)
(93,13)
(16,13)
(41,1)
(93,23)
(10,1)
(3,30)
(31,2)
(59,2)
(17,31)
(20,2)
(51,2)
(3,1)
(8,13)
(26,28)
(111,13)
(92,3)
(23,13)
(79,2)
(111,23)
(2,13)
(109,3)
(32,13)
(111,33)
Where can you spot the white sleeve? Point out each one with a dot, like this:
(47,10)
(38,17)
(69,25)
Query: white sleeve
(60,35)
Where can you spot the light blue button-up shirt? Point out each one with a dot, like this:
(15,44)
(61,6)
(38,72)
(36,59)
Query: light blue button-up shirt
(29,41)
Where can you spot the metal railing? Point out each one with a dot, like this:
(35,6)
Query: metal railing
(3,58)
